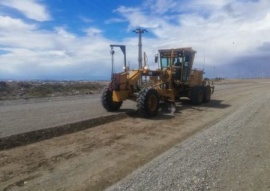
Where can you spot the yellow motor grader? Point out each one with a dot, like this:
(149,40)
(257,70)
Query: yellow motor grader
(174,79)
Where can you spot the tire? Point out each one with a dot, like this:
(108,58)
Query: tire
(196,95)
(106,100)
(206,94)
(148,103)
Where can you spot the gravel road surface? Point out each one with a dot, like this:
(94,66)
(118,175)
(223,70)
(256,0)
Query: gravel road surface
(221,145)
(233,154)
(21,116)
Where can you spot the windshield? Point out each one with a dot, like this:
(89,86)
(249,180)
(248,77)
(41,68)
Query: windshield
(166,61)
(181,64)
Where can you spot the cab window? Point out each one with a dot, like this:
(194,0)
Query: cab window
(165,62)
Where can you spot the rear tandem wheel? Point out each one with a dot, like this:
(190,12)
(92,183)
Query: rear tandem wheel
(206,94)
(197,95)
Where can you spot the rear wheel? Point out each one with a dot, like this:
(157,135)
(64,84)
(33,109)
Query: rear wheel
(107,102)
(206,94)
(196,95)
(148,102)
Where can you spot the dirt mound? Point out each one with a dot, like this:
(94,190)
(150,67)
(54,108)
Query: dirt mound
(32,89)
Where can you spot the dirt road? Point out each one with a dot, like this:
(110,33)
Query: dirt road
(22,116)
(96,158)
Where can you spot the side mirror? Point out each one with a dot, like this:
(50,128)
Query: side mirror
(156,58)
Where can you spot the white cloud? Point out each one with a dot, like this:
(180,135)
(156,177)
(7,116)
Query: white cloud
(160,6)
(18,34)
(61,31)
(136,18)
(86,19)
(224,31)
(33,53)
(32,9)
(8,23)
(93,32)
(124,9)
(114,20)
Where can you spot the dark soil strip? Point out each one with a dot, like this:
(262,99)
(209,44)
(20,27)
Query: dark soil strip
(39,135)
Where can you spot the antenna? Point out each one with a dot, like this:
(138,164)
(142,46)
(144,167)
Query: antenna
(204,56)
(203,59)
(112,53)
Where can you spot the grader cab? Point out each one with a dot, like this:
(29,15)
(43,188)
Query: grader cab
(174,79)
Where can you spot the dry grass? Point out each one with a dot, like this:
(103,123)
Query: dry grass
(29,89)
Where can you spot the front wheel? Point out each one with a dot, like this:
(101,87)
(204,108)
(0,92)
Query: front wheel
(107,102)
(148,102)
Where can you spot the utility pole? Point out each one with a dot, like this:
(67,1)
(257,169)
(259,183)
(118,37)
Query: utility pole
(140,32)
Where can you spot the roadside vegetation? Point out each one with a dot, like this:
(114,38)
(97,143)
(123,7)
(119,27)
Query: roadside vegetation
(34,89)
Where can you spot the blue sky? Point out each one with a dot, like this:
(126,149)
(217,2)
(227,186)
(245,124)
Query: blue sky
(69,39)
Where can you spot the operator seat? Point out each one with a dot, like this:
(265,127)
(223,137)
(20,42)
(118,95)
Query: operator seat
(177,76)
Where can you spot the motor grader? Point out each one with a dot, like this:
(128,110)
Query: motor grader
(174,79)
